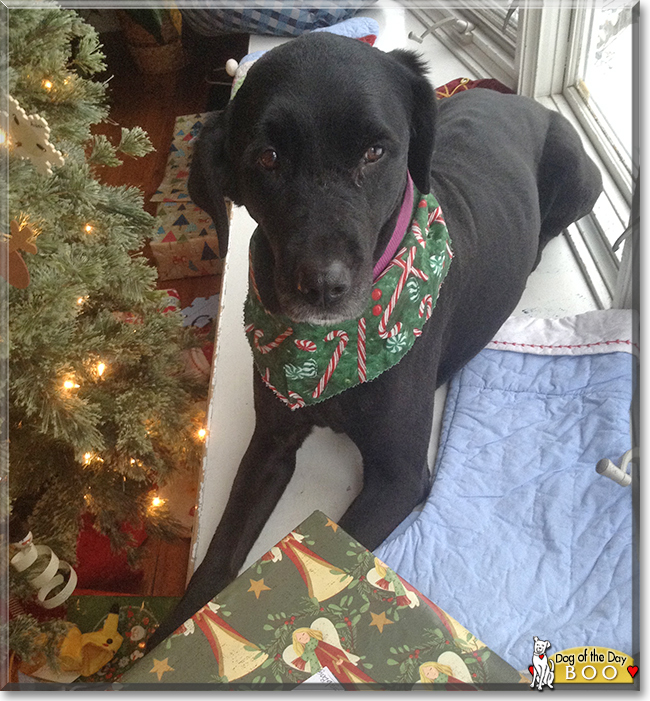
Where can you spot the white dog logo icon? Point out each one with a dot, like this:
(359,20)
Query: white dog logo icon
(542,668)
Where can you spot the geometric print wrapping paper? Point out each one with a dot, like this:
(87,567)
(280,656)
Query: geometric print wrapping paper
(319,602)
(186,243)
(172,189)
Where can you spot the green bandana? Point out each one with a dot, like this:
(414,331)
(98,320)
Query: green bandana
(307,363)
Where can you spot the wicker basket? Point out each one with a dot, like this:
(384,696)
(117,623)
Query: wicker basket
(149,55)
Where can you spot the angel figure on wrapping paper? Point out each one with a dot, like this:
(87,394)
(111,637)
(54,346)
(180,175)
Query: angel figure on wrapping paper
(323,580)
(235,655)
(319,646)
(449,669)
(382,577)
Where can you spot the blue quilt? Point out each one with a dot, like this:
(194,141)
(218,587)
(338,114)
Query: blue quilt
(520,536)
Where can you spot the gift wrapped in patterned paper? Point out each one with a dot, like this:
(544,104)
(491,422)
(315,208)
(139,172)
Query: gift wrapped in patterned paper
(319,603)
(186,242)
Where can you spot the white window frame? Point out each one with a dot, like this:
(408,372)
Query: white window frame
(550,37)
(550,44)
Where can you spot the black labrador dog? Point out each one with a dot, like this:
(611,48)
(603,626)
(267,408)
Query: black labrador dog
(316,145)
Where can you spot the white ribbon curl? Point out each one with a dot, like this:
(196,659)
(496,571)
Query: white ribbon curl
(50,577)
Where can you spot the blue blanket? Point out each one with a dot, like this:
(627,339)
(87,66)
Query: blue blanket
(520,536)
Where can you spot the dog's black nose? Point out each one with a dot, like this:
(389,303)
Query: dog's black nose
(323,285)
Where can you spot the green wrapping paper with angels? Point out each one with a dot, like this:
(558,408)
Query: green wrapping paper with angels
(319,602)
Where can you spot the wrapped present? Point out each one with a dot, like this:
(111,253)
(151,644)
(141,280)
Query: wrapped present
(137,618)
(173,187)
(191,258)
(186,244)
(182,221)
(319,605)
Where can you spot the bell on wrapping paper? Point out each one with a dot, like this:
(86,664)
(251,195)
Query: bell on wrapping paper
(87,653)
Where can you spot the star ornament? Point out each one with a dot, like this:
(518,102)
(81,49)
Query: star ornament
(29,136)
(160,667)
(258,587)
(380,620)
(21,239)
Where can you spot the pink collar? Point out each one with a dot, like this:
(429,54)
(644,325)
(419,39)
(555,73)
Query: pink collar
(400,230)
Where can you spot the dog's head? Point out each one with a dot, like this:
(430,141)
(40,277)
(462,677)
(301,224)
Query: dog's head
(540,646)
(316,145)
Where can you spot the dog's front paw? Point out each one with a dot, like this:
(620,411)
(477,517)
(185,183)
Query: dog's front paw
(155,640)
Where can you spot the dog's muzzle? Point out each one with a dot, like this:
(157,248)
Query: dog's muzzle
(323,285)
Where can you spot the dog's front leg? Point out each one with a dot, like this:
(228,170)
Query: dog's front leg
(264,472)
(391,490)
(392,434)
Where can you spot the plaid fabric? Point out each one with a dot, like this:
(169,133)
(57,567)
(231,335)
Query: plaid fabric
(273,18)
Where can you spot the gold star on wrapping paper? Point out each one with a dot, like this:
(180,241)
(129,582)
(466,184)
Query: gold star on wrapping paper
(160,667)
(380,620)
(332,525)
(258,587)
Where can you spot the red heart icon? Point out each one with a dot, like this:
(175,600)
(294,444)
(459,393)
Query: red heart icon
(633,671)
(531,669)
(541,657)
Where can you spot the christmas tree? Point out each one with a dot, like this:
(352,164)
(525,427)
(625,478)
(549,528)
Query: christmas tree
(99,413)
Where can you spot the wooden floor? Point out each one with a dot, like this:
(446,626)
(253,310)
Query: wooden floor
(153,102)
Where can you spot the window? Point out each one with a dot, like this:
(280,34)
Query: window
(578,59)
(605,76)
(599,84)
(565,57)
(487,46)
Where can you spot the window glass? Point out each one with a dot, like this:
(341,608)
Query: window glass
(607,75)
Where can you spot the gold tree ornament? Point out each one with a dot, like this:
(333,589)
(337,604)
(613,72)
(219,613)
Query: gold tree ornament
(29,138)
(16,272)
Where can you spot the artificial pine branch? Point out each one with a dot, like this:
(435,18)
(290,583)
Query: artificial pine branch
(31,639)
(87,57)
(135,142)
(103,152)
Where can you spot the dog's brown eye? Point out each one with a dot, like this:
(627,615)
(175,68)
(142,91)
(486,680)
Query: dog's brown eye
(269,159)
(373,154)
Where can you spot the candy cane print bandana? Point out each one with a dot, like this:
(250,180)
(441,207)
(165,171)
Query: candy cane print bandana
(307,363)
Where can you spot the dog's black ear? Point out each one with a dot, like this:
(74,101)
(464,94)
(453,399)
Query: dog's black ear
(209,174)
(423,118)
